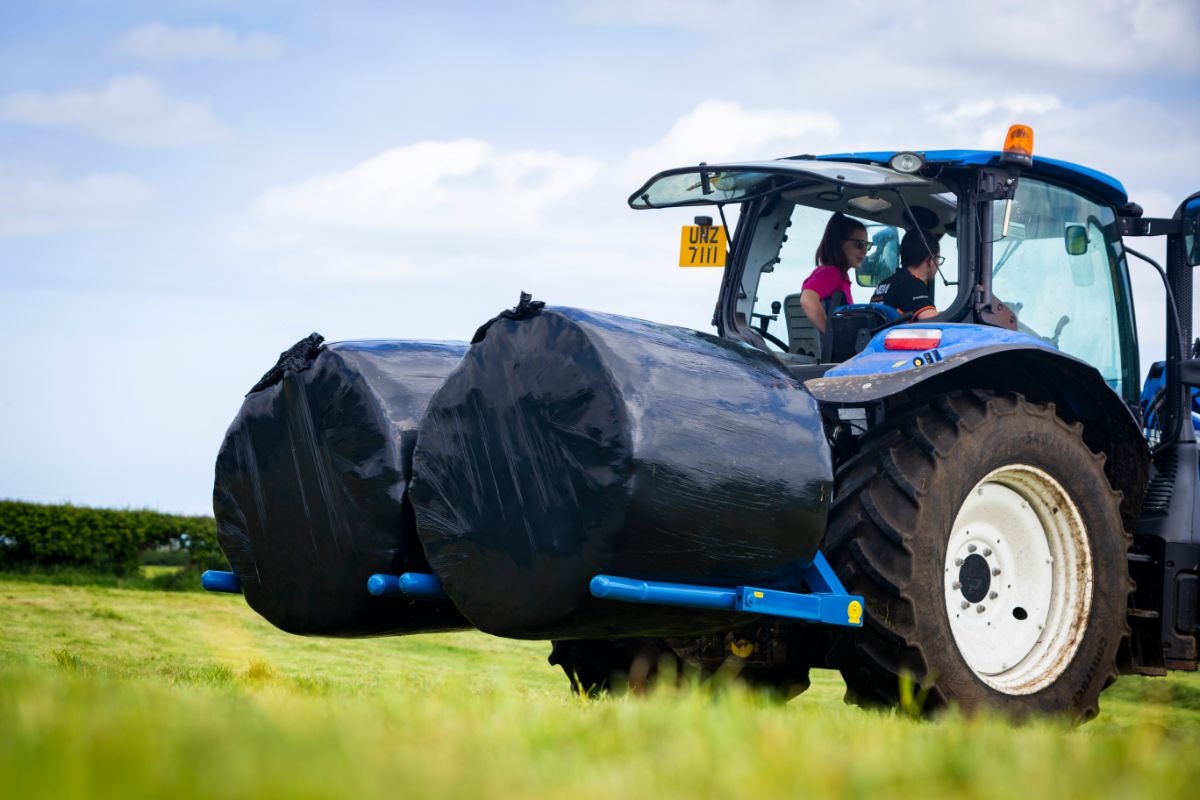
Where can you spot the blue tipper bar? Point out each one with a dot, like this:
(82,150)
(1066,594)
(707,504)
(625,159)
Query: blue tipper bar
(217,581)
(826,602)
(410,585)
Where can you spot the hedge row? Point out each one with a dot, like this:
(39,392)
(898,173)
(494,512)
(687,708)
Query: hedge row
(101,539)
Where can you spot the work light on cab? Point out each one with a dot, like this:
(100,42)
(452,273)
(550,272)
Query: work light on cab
(912,339)
(906,162)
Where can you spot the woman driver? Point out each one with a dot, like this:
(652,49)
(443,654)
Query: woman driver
(842,248)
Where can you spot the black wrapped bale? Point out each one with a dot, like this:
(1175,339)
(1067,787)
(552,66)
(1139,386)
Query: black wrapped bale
(571,443)
(311,486)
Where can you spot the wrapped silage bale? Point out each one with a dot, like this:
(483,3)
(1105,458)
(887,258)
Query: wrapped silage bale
(311,486)
(571,443)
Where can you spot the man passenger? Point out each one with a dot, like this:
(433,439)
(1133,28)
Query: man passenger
(908,289)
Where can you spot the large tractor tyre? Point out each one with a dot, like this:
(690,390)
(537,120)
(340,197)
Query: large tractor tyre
(988,545)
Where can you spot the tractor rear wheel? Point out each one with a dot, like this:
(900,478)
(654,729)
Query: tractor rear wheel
(988,544)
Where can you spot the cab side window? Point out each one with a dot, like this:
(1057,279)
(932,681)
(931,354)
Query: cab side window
(1060,269)
(795,261)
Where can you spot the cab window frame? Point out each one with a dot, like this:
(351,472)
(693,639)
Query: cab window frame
(969,245)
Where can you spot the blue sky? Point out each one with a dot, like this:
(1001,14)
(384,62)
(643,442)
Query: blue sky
(186,189)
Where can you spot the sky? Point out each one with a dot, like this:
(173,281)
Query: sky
(187,189)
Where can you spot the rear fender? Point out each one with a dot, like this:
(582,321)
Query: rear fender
(993,359)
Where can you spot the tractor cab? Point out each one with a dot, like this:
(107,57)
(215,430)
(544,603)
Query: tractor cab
(785,207)
(1033,247)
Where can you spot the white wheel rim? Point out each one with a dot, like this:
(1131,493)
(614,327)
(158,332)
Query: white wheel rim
(1018,579)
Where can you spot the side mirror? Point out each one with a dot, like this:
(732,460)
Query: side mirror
(1191,232)
(883,260)
(1076,239)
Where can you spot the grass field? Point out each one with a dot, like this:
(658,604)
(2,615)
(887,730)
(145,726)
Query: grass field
(118,692)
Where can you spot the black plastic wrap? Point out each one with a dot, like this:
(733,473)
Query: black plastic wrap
(571,443)
(311,486)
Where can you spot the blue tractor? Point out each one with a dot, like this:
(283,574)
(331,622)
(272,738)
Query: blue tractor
(989,505)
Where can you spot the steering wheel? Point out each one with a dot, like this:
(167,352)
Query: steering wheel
(907,316)
(764,321)
(773,339)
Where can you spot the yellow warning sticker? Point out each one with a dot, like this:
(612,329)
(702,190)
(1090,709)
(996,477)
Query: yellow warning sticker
(854,612)
(758,594)
(702,246)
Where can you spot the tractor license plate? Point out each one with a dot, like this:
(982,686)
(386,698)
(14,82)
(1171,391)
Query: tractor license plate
(702,246)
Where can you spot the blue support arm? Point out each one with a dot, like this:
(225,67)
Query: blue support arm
(217,581)
(410,585)
(827,601)
(660,593)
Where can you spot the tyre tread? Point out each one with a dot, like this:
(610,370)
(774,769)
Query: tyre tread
(869,547)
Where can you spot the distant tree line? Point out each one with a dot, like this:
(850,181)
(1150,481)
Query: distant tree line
(104,540)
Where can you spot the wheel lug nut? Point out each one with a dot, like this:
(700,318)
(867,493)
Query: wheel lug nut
(992,595)
(971,548)
(980,608)
(956,585)
(958,562)
(987,551)
(995,570)
(965,605)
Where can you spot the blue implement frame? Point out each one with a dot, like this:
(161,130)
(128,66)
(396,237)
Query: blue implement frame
(214,580)
(409,585)
(827,601)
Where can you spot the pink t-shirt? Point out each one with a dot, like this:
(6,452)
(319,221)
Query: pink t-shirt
(826,279)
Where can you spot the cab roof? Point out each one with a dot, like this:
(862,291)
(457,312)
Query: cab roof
(1104,186)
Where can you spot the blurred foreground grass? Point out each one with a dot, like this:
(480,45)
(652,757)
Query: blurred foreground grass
(113,692)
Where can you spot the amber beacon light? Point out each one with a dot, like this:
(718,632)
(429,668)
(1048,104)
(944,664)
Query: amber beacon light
(1018,146)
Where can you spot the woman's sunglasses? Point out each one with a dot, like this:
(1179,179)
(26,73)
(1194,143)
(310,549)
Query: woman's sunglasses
(861,244)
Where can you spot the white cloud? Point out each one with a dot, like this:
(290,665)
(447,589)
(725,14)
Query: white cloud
(130,110)
(1010,107)
(1091,37)
(465,187)
(1138,36)
(31,206)
(159,42)
(719,130)
(491,213)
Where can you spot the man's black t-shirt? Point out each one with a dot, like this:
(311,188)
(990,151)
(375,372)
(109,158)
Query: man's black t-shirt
(903,291)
